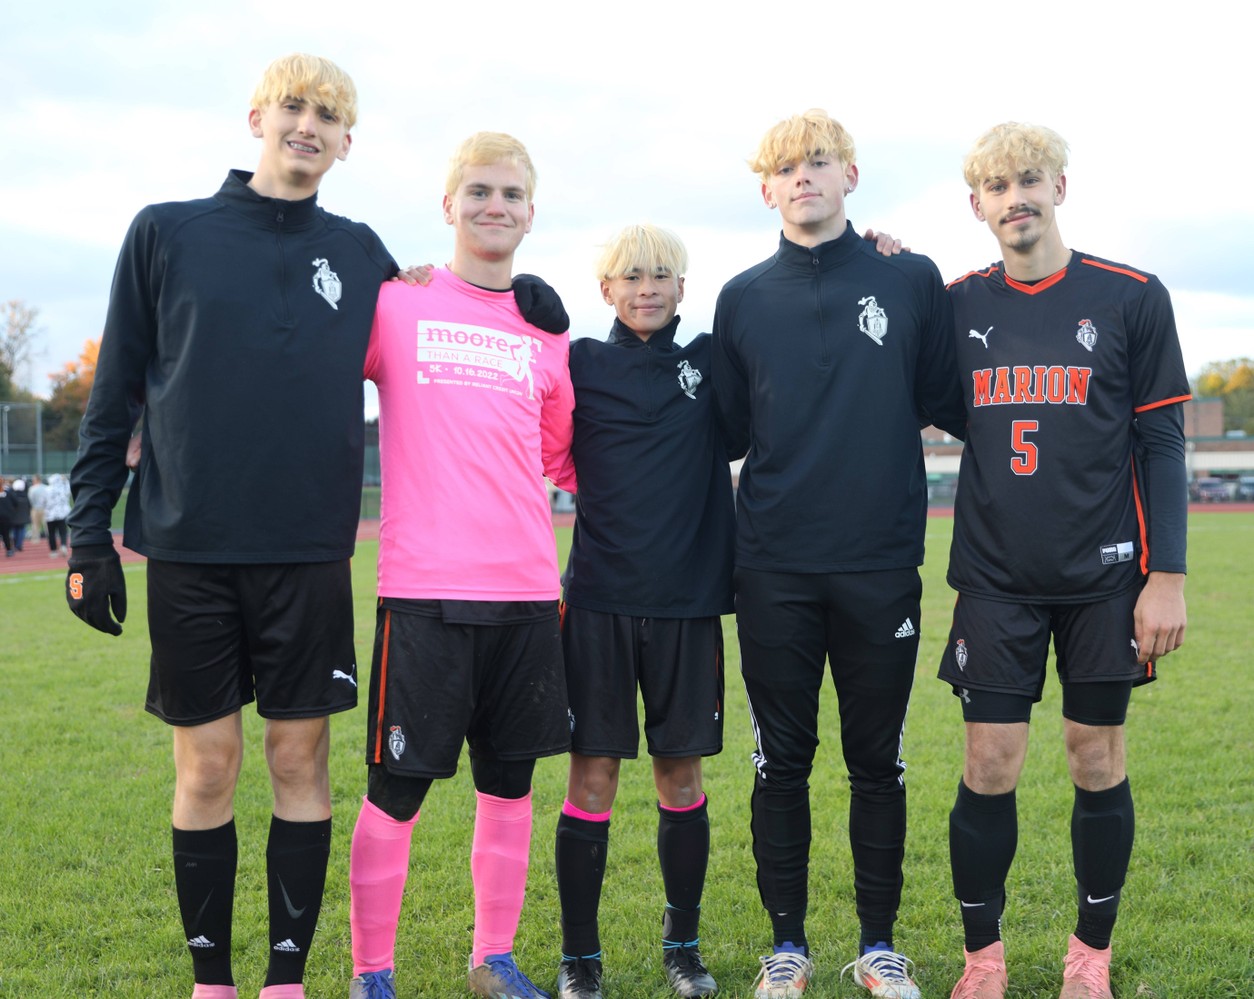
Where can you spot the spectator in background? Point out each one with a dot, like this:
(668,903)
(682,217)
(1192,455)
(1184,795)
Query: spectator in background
(6,512)
(57,504)
(37,493)
(19,514)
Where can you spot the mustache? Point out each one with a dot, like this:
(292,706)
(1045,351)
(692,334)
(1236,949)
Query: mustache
(1020,211)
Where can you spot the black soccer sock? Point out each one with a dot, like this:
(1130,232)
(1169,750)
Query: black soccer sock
(204,879)
(983,836)
(781,846)
(579,854)
(296,873)
(1102,828)
(683,851)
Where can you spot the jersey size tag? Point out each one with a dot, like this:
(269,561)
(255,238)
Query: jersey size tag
(1121,552)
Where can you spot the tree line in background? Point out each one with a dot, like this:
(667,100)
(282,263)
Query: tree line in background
(70,386)
(1232,381)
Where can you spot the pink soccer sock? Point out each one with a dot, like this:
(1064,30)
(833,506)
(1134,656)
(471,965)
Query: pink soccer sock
(214,991)
(378,866)
(296,991)
(498,868)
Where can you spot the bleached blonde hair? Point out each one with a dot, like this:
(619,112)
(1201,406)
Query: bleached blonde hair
(1006,150)
(484,149)
(802,137)
(644,248)
(310,78)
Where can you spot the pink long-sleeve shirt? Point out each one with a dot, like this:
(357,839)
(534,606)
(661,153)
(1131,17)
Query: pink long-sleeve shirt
(475,410)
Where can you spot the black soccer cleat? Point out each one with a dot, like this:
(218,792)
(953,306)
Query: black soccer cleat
(687,973)
(579,978)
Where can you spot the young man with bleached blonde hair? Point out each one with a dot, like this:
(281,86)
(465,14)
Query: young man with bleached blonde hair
(1069,524)
(474,411)
(828,358)
(242,314)
(645,585)
(486,149)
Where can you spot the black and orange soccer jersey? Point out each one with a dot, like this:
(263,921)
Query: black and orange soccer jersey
(1048,507)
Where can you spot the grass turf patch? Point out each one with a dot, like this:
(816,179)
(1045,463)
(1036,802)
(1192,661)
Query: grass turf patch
(87,903)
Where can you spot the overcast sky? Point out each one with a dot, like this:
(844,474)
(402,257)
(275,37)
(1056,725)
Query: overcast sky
(639,112)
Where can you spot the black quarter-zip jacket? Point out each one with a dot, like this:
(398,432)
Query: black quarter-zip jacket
(827,363)
(654,517)
(238,325)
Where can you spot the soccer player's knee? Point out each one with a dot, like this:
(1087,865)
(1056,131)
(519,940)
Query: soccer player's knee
(208,776)
(288,766)
(783,781)
(502,778)
(396,795)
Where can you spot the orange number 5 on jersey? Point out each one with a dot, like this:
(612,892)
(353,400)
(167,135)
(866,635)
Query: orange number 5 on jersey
(1024,461)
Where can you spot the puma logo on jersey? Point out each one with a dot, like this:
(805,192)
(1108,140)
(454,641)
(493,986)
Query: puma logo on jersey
(906,630)
(982,337)
(1124,551)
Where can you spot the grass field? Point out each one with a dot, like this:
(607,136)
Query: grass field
(87,899)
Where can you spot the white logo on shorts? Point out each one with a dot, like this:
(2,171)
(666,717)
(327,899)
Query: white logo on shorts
(960,654)
(396,742)
(339,674)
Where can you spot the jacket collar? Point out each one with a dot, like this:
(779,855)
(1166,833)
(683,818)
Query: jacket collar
(270,212)
(663,339)
(825,255)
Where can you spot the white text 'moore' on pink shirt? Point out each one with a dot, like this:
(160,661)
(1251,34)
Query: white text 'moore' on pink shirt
(474,411)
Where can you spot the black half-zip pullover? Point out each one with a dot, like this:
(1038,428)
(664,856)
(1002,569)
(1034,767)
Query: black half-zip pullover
(827,362)
(238,324)
(654,518)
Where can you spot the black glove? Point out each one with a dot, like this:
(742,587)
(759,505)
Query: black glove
(539,304)
(95,582)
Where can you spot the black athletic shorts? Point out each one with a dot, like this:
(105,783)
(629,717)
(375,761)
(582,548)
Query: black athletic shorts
(1004,647)
(434,683)
(224,635)
(677,663)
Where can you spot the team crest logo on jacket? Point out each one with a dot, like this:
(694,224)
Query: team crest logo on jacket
(689,379)
(1087,334)
(396,742)
(960,654)
(327,283)
(873,321)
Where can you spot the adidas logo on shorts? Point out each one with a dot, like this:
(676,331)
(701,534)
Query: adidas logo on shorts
(906,630)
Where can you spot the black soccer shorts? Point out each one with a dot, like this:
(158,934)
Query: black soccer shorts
(999,646)
(500,688)
(224,635)
(677,664)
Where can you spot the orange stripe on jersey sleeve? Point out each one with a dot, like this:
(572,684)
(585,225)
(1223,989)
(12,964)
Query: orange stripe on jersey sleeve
(987,272)
(1115,270)
(383,687)
(1165,402)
